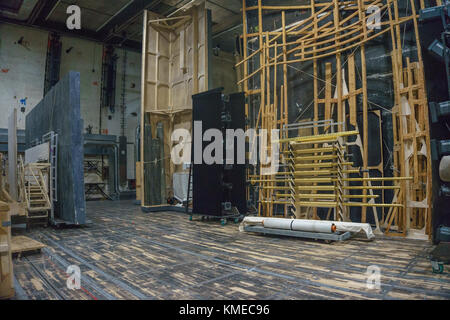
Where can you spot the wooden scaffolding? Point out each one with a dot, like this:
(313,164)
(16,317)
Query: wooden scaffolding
(335,35)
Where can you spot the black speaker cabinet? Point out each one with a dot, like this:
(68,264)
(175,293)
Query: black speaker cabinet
(217,187)
(437,80)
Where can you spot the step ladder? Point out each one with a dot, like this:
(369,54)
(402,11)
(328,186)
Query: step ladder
(52,138)
(34,189)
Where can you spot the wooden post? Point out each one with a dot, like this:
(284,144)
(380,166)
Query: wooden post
(340,111)
(285,71)
(6,265)
(365,155)
(143,103)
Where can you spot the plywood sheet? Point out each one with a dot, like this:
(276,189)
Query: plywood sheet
(21,244)
(17,209)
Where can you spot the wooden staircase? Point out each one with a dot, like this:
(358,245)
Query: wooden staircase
(34,190)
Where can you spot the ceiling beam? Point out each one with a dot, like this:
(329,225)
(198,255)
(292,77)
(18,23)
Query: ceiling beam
(47,7)
(224,8)
(81,34)
(37,10)
(231,22)
(128,12)
(110,33)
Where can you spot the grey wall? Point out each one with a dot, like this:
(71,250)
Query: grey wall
(59,112)
(22,73)
(223,72)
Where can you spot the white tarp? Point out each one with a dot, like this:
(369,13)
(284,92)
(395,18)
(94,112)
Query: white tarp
(180,186)
(355,228)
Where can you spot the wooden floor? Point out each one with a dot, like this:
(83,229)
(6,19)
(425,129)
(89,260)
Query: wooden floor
(126,254)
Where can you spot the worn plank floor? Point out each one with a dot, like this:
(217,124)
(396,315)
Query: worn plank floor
(127,254)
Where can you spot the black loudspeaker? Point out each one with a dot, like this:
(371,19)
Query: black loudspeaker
(236,173)
(437,75)
(217,187)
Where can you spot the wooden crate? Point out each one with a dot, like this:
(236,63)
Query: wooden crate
(6,266)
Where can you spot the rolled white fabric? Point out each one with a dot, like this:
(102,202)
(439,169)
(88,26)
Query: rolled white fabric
(275,223)
(444,169)
(320,226)
(292,224)
(250,221)
(253,221)
(313,226)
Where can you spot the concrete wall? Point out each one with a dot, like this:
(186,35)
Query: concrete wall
(22,69)
(132,102)
(86,58)
(22,72)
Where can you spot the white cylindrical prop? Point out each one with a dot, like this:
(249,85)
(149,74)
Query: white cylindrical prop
(292,224)
(314,226)
(320,226)
(275,223)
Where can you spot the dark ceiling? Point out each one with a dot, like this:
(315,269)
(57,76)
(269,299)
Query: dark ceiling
(12,6)
(117,22)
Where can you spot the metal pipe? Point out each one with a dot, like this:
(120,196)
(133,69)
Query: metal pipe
(112,17)
(329,196)
(324,137)
(314,150)
(330,204)
(52,10)
(181,8)
(312,173)
(321,165)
